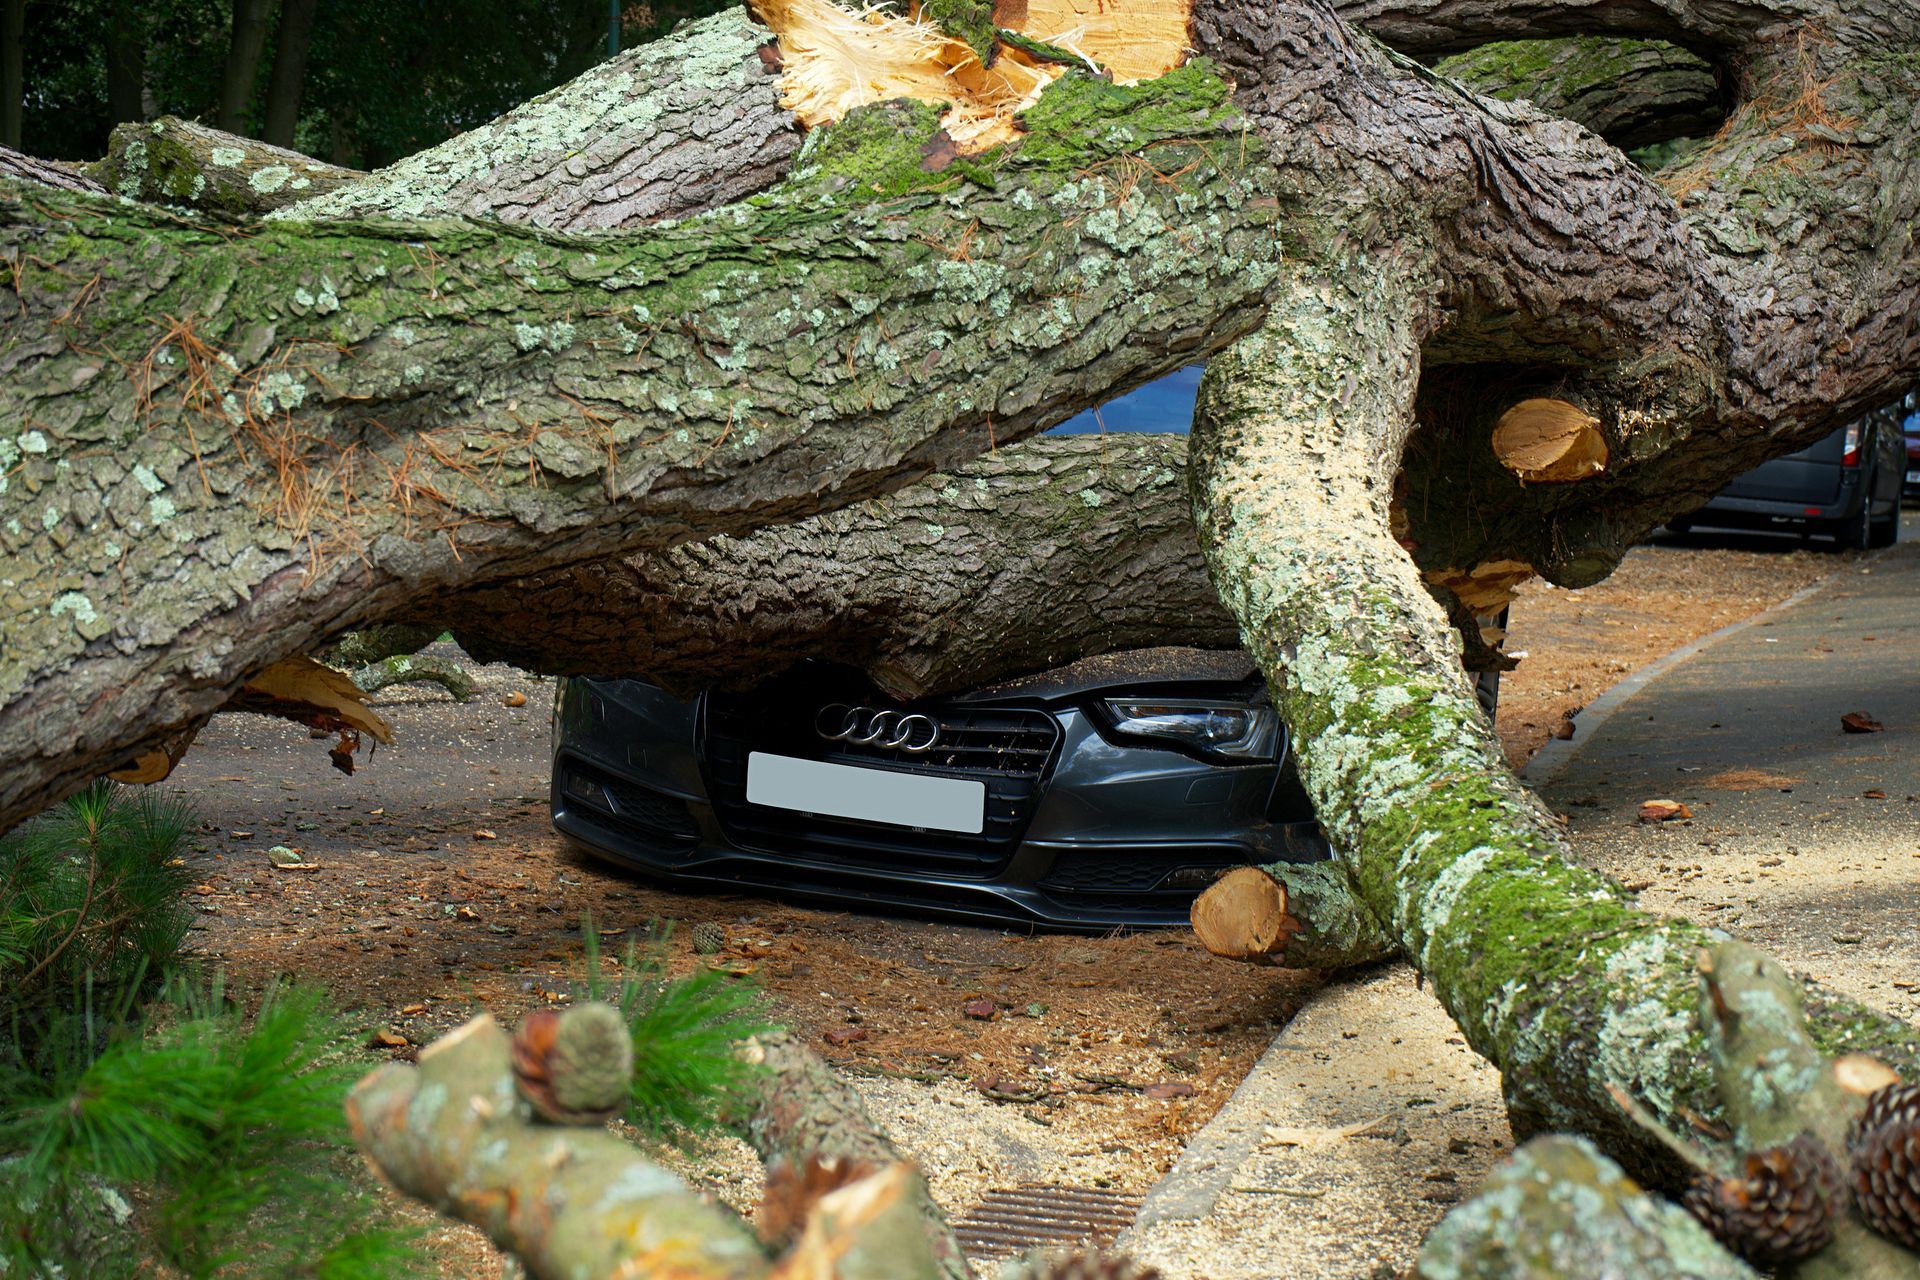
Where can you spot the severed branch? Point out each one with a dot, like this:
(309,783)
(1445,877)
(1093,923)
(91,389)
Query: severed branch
(1560,1208)
(460,1133)
(52,173)
(415,669)
(1301,915)
(804,1116)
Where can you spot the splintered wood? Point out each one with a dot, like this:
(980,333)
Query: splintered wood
(1545,441)
(835,59)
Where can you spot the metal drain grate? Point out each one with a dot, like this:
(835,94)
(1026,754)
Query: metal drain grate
(1012,1220)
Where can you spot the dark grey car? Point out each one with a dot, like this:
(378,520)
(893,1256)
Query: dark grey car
(1103,794)
(1846,484)
(1107,793)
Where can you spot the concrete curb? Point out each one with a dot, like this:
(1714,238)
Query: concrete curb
(1546,765)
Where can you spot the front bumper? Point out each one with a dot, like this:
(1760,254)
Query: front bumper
(1118,835)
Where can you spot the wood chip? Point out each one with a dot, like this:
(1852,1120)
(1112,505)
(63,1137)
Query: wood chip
(1859,722)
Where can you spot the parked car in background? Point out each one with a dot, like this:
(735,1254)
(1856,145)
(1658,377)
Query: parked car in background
(1910,433)
(1847,485)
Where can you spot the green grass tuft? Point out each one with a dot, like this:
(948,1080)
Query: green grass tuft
(687,1069)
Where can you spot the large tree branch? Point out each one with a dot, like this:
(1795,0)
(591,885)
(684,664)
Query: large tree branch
(1630,92)
(1049,550)
(182,164)
(402,409)
(682,124)
(1547,967)
(1447,26)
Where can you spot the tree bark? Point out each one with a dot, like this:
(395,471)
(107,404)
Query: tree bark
(1630,92)
(1049,550)
(683,124)
(180,164)
(326,423)
(248,39)
(1560,1208)
(1303,916)
(804,1114)
(414,669)
(329,423)
(51,173)
(1547,967)
(572,1202)
(287,79)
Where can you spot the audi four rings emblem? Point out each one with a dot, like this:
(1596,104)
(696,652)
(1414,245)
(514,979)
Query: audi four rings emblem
(866,727)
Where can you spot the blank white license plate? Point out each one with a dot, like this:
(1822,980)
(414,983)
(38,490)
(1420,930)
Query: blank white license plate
(869,795)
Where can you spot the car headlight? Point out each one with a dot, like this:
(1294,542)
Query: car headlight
(1227,731)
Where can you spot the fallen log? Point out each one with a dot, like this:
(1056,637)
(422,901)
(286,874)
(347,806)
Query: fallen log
(1560,1209)
(573,1201)
(1301,915)
(804,1116)
(1048,550)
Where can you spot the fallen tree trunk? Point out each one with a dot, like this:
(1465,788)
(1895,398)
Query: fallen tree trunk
(1049,550)
(1547,967)
(806,1116)
(317,445)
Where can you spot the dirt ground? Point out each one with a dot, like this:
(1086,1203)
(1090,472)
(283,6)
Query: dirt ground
(437,890)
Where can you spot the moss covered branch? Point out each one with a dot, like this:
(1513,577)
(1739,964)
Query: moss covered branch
(1549,968)
(1630,92)
(185,165)
(283,432)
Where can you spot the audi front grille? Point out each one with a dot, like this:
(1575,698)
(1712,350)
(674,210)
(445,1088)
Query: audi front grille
(1008,748)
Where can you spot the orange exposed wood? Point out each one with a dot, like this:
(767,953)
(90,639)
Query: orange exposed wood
(1243,916)
(835,59)
(1547,441)
(1486,588)
(1132,39)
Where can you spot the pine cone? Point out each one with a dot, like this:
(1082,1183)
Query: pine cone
(574,1067)
(1884,1144)
(708,938)
(1778,1209)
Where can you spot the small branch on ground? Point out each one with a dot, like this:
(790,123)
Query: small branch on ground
(413,669)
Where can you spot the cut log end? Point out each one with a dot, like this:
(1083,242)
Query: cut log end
(1244,917)
(833,59)
(1545,441)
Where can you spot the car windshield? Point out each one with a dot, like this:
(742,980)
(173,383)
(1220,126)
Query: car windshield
(1165,404)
